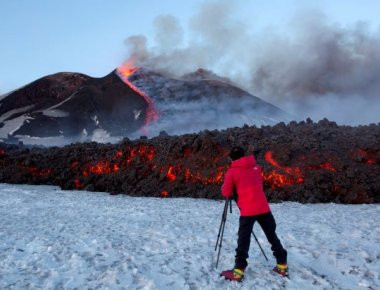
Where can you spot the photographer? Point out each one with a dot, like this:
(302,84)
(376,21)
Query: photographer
(244,182)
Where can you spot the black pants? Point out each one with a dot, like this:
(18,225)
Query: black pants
(268,225)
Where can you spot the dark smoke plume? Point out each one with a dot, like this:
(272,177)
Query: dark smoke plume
(318,69)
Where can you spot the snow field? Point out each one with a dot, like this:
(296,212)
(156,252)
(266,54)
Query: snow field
(52,239)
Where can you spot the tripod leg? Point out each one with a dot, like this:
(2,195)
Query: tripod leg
(221,238)
(221,222)
(259,245)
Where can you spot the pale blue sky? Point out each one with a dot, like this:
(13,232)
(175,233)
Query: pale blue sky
(40,37)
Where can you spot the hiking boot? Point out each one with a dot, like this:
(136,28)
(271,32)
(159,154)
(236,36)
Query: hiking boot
(281,269)
(233,275)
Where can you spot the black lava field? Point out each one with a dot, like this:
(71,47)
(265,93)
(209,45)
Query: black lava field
(305,162)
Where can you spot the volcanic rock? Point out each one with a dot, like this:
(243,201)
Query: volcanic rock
(304,162)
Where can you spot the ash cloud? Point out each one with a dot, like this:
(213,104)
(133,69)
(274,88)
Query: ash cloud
(317,65)
(169,33)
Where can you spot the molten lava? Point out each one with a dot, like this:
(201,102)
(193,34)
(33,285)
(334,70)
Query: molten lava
(143,152)
(171,175)
(289,175)
(124,72)
(276,179)
(134,156)
(317,169)
(142,159)
(269,158)
(103,167)
(165,193)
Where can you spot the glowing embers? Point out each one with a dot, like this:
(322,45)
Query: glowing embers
(171,175)
(121,159)
(2,152)
(324,165)
(77,184)
(187,152)
(142,153)
(367,157)
(165,193)
(40,172)
(336,189)
(218,177)
(188,176)
(102,167)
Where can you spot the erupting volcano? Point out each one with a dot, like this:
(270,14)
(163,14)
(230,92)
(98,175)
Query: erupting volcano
(301,161)
(67,107)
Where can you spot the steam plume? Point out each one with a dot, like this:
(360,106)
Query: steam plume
(317,64)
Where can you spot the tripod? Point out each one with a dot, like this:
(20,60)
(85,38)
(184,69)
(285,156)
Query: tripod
(221,231)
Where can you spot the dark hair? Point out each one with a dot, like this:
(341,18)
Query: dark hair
(237,153)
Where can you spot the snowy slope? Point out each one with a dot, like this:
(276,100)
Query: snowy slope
(51,238)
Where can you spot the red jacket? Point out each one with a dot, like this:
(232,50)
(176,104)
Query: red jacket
(244,177)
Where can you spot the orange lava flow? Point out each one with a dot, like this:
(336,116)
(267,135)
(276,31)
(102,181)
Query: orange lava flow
(196,176)
(276,179)
(124,72)
(131,156)
(141,158)
(289,175)
(269,158)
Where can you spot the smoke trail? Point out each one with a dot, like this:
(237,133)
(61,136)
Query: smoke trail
(319,62)
(169,33)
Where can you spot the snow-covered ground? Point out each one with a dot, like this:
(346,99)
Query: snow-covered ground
(56,239)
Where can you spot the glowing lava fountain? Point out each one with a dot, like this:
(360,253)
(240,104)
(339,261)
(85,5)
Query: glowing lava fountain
(124,71)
